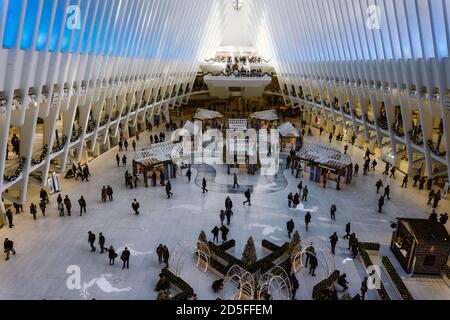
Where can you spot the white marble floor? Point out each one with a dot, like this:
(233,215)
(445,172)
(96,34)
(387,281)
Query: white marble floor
(48,246)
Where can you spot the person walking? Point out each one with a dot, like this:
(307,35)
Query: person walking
(125,257)
(290,227)
(103,194)
(380,204)
(235,181)
(61,209)
(247,195)
(133,144)
(82,203)
(160,252)
(364,288)
(9,216)
(166,255)
(204,185)
(169,190)
(109,192)
(224,231)
(101,242)
(290,197)
(387,192)
(124,160)
(125,144)
(347,230)
(91,240)
(44,196)
(300,187)
(307,220)
(405,181)
(33,210)
(386,169)
(305,194)
(294,285)
(189,174)
(215,233)
(374,165)
(228,203)
(351,240)
(112,255)
(392,175)
(135,206)
(379,185)
(334,240)
(120,145)
(296,201)
(43,207)
(228,214)
(430,196)
(118,160)
(313,264)
(222,217)
(68,205)
(437,198)
(333,210)
(308,251)
(8,246)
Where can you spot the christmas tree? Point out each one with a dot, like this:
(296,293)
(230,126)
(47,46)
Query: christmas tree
(249,255)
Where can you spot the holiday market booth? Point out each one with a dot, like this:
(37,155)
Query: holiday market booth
(241,151)
(161,157)
(290,137)
(209,118)
(421,246)
(264,119)
(326,163)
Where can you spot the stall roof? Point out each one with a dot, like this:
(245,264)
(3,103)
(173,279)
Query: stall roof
(324,155)
(191,127)
(424,230)
(267,115)
(288,130)
(159,153)
(204,114)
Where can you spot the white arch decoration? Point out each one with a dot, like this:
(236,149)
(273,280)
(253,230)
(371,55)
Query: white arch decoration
(203,255)
(239,284)
(323,254)
(176,260)
(275,282)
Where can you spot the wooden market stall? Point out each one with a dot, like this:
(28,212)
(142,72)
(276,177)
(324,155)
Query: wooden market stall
(290,137)
(264,119)
(421,246)
(326,162)
(161,157)
(209,118)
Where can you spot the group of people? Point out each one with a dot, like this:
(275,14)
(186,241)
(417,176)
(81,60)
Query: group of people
(227,213)
(112,254)
(79,171)
(443,217)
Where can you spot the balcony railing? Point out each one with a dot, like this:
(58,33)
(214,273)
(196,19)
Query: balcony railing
(125,112)
(398,130)
(366,116)
(383,124)
(59,145)
(17,172)
(416,137)
(76,134)
(43,155)
(91,126)
(435,149)
(104,122)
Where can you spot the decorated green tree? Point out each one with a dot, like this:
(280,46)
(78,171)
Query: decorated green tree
(249,255)
(295,242)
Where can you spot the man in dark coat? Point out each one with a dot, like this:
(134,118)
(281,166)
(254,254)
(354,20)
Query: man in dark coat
(290,198)
(91,240)
(313,264)
(380,204)
(68,205)
(224,231)
(307,219)
(379,184)
(334,240)
(9,216)
(125,257)
(204,186)
(8,247)
(247,195)
(82,203)
(215,233)
(169,190)
(135,205)
(290,227)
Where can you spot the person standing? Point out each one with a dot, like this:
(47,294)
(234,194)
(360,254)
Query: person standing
(118,160)
(387,192)
(437,198)
(307,220)
(215,233)
(125,257)
(135,206)
(405,181)
(61,209)
(294,285)
(443,218)
(333,210)
(120,145)
(166,255)
(112,255)
(44,196)
(68,205)
(82,203)
(347,230)
(224,231)
(222,217)
(235,181)
(9,216)
(104,194)
(296,201)
(392,175)
(308,252)
(8,246)
(204,185)
(101,242)
(430,196)
(43,206)
(159,253)
(91,240)
(334,240)
(305,194)
(247,195)
(228,214)
(290,227)
(133,144)
(125,144)
(169,190)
